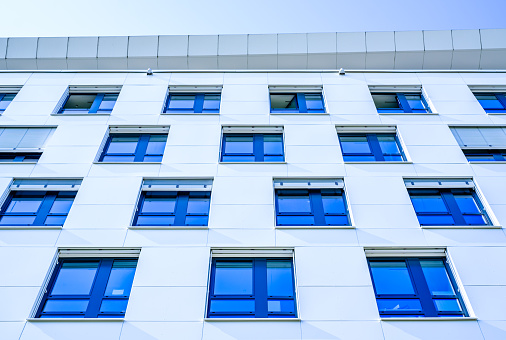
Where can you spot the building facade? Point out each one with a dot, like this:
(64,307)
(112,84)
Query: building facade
(222,197)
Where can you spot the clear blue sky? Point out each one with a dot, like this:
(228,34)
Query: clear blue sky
(159,17)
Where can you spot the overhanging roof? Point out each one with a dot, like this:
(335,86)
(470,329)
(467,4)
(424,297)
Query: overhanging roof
(410,50)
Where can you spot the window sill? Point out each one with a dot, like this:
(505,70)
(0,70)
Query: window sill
(250,319)
(466,318)
(461,227)
(190,114)
(28,227)
(127,162)
(252,163)
(314,227)
(482,162)
(80,114)
(24,163)
(408,114)
(300,113)
(369,162)
(75,319)
(135,227)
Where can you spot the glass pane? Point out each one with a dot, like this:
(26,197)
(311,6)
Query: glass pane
(281,306)
(385,101)
(123,144)
(198,206)
(359,158)
(239,144)
(448,305)
(196,220)
(399,305)
(436,220)
(314,102)
(61,205)
(437,277)
(69,306)
(17,220)
(336,220)
(279,278)
(475,220)
(181,101)
(113,306)
(108,102)
(415,101)
(388,145)
(273,145)
(80,101)
(245,306)
(158,204)
(291,204)
(118,158)
(284,101)
(24,204)
(212,102)
(229,158)
(467,204)
(156,144)
(157,158)
(121,278)
(489,101)
(333,204)
(355,144)
(55,220)
(391,278)
(155,220)
(426,203)
(295,220)
(479,157)
(233,278)
(396,158)
(274,158)
(75,278)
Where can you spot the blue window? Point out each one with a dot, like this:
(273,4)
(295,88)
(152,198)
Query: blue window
(400,103)
(415,287)
(297,103)
(490,155)
(37,208)
(176,208)
(459,207)
(193,103)
(492,102)
(89,103)
(126,147)
(371,147)
(312,207)
(254,147)
(5,100)
(89,288)
(25,157)
(251,288)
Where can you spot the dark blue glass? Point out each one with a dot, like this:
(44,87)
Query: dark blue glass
(336,220)
(437,277)
(55,220)
(415,101)
(273,144)
(118,158)
(281,306)
(467,204)
(156,144)
(114,306)
(198,205)
(211,103)
(155,220)
(391,278)
(108,103)
(233,278)
(6,100)
(239,144)
(388,144)
(121,278)
(298,203)
(333,204)
(17,220)
(66,306)
(61,205)
(181,102)
(123,144)
(295,220)
(196,220)
(436,220)
(75,278)
(448,305)
(489,101)
(358,158)
(232,306)
(399,305)
(279,278)
(314,102)
(475,220)
(429,204)
(237,158)
(157,204)
(355,144)
(25,204)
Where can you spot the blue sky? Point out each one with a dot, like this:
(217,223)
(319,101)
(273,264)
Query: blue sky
(157,17)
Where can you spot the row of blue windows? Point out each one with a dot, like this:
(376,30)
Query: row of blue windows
(294,207)
(279,102)
(251,288)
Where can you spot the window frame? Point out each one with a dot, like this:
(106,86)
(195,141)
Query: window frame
(421,289)
(301,103)
(501,98)
(2,96)
(404,106)
(374,146)
(97,290)
(198,103)
(140,150)
(258,147)
(95,106)
(20,157)
(259,290)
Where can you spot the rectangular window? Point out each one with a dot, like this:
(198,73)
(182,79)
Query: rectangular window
(256,287)
(23,157)
(83,103)
(446,202)
(371,147)
(400,103)
(415,287)
(492,102)
(297,103)
(5,100)
(180,102)
(252,147)
(134,147)
(311,207)
(88,288)
(38,202)
(482,144)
